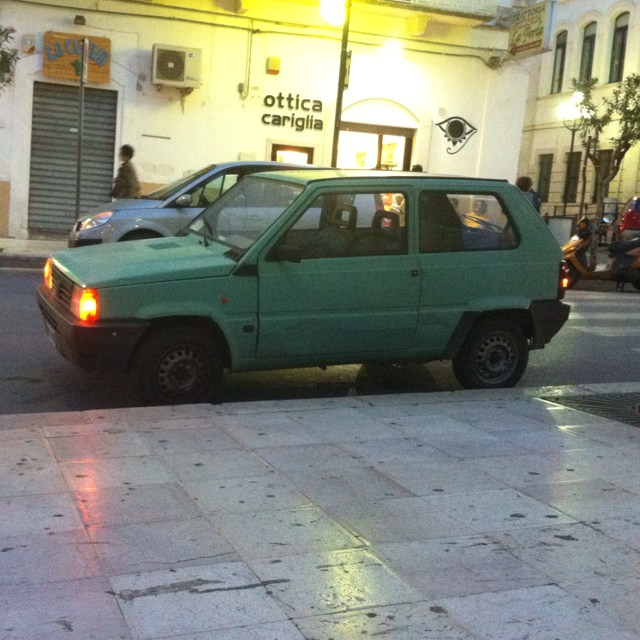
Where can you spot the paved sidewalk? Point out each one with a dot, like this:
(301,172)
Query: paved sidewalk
(443,516)
(27,254)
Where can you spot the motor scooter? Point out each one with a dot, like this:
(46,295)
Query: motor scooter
(623,266)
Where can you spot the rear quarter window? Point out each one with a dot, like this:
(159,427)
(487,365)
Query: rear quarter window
(451,221)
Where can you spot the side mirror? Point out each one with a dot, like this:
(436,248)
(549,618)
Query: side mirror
(284,253)
(183,201)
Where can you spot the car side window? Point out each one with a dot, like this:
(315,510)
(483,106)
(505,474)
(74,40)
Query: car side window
(463,222)
(350,224)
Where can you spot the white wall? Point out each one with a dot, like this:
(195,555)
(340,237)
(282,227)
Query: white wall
(174,134)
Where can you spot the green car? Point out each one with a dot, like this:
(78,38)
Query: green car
(316,268)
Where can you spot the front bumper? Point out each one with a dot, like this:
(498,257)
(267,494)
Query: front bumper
(101,346)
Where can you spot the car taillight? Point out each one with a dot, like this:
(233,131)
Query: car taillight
(84,304)
(48,274)
(563,283)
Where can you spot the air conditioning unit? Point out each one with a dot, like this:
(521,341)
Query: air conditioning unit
(176,66)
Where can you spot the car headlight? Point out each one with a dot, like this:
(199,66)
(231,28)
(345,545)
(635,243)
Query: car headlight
(96,220)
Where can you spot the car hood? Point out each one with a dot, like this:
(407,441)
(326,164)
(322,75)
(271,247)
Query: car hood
(144,261)
(124,203)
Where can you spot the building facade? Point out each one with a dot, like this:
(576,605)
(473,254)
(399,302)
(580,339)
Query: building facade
(188,83)
(591,39)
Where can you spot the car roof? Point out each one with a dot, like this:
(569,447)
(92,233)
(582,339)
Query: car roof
(318,174)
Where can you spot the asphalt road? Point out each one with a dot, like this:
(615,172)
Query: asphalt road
(600,343)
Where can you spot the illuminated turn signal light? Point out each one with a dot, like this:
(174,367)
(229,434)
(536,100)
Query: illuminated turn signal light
(85,305)
(48,275)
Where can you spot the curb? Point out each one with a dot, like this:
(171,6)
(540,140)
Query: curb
(21,261)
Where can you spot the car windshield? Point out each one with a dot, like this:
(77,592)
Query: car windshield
(177,185)
(241,215)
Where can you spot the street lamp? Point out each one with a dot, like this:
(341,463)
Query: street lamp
(338,12)
(570,113)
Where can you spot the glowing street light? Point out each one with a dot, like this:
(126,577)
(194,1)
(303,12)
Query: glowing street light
(338,12)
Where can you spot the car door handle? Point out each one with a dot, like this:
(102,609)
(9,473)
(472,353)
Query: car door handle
(415,273)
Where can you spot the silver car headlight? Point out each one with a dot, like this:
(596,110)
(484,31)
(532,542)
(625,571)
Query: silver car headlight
(96,220)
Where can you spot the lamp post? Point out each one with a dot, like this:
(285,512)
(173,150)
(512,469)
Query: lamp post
(338,6)
(570,114)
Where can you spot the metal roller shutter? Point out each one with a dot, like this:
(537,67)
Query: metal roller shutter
(54,144)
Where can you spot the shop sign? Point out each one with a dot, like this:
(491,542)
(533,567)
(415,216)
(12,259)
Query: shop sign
(300,113)
(530,31)
(62,53)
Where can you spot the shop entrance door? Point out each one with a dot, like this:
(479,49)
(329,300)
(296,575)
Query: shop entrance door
(369,146)
(54,149)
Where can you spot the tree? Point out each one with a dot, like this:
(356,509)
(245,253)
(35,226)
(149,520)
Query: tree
(8,55)
(623,109)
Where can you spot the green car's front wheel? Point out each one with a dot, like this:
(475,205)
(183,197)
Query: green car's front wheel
(178,365)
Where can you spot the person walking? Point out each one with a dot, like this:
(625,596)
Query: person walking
(525,184)
(125,184)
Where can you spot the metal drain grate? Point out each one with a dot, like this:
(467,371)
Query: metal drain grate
(621,407)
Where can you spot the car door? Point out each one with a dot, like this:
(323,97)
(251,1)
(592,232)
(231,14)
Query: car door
(355,289)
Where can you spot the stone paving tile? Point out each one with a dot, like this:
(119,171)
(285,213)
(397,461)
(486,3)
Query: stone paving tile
(401,520)
(400,622)
(26,515)
(57,611)
(135,504)
(537,613)
(499,510)
(332,582)
(203,465)
(267,631)
(615,597)
(588,499)
(572,551)
(206,598)
(116,472)
(308,457)
(189,440)
(625,530)
(454,476)
(96,446)
(153,546)
(388,451)
(335,485)
(29,474)
(273,534)
(530,469)
(459,566)
(47,557)
(237,495)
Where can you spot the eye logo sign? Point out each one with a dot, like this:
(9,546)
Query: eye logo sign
(457,131)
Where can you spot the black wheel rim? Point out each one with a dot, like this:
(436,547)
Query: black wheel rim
(496,358)
(182,374)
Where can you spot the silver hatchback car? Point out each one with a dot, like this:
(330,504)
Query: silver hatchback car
(165,211)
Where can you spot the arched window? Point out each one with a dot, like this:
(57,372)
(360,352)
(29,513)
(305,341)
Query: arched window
(558,62)
(588,49)
(619,47)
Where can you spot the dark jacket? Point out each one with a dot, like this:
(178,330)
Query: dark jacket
(125,184)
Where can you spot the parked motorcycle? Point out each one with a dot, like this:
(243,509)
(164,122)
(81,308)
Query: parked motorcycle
(623,266)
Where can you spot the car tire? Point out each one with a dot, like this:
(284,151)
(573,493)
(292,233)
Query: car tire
(494,355)
(178,364)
